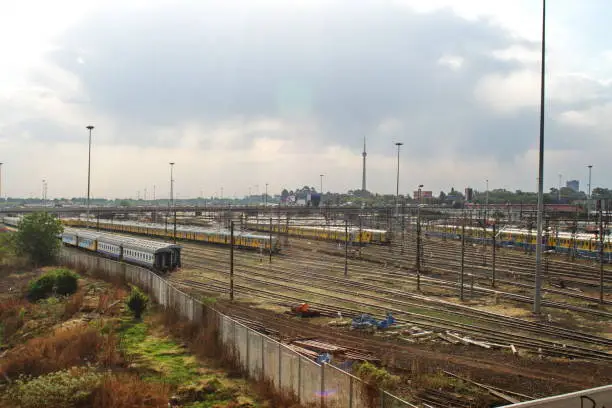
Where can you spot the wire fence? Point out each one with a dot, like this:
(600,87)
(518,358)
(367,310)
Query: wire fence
(260,357)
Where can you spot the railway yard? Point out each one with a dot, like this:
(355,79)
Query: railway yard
(475,344)
(490,339)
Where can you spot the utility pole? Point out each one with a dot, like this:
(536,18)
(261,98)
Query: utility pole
(1,181)
(232,260)
(321,176)
(462,259)
(418,246)
(90,127)
(559,191)
(538,269)
(588,206)
(398,144)
(270,251)
(601,253)
(346,238)
(266,198)
(494,253)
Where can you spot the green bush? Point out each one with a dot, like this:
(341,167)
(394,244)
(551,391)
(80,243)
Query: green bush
(41,287)
(61,281)
(66,282)
(137,302)
(377,377)
(61,389)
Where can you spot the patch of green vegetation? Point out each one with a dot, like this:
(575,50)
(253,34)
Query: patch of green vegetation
(168,361)
(58,281)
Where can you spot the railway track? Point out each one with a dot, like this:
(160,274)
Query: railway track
(444,260)
(294,281)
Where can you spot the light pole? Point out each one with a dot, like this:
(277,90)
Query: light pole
(538,269)
(559,191)
(398,144)
(588,203)
(418,254)
(486,201)
(321,175)
(1,181)
(172,184)
(266,198)
(90,127)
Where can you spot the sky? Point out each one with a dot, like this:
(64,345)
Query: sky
(240,93)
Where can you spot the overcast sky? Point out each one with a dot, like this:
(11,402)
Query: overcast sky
(241,93)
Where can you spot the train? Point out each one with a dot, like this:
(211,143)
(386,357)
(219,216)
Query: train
(242,239)
(355,235)
(581,245)
(155,255)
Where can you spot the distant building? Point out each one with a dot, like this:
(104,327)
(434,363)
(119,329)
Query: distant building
(424,194)
(574,185)
(469,194)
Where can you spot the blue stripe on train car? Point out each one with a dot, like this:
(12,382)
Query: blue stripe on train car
(109,253)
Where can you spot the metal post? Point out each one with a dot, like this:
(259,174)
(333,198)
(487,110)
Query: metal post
(346,238)
(321,175)
(88,172)
(494,253)
(538,271)
(266,198)
(559,191)
(232,261)
(398,144)
(360,232)
(601,253)
(462,258)
(1,181)
(588,206)
(418,248)
(270,244)
(322,393)
(175,225)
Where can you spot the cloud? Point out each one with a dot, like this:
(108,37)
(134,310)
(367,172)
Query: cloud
(239,92)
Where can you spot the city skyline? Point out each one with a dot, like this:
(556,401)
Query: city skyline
(232,113)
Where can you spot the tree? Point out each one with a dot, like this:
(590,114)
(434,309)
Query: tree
(37,237)
(137,302)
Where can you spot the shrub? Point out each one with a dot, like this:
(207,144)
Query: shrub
(41,287)
(65,348)
(137,302)
(61,389)
(377,377)
(62,281)
(66,281)
(129,391)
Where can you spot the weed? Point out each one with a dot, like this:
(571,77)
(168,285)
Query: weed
(65,388)
(129,391)
(73,305)
(65,348)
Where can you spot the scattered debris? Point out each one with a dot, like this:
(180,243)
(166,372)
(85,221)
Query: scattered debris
(304,310)
(366,321)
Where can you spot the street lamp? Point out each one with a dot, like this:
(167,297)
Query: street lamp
(172,184)
(559,191)
(90,127)
(321,175)
(398,144)
(418,254)
(266,198)
(486,201)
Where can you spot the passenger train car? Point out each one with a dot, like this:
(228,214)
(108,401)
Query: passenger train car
(583,245)
(159,256)
(367,235)
(184,232)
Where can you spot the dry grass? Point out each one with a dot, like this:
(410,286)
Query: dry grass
(73,304)
(66,347)
(12,313)
(129,391)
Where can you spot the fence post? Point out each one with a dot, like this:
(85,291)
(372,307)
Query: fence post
(322,385)
(382,399)
(263,360)
(280,366)
(299,393)
(351,391)
(248,351)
